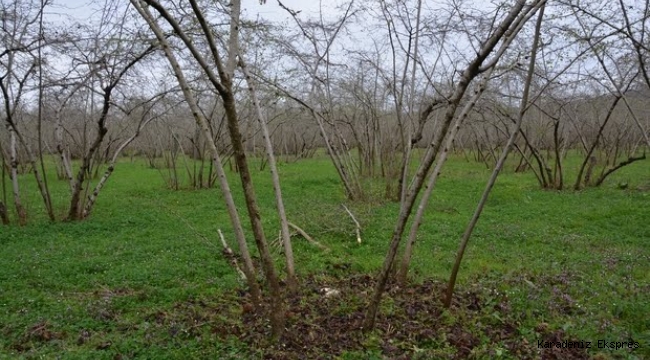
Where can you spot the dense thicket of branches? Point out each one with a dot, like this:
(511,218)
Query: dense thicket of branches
(193,87)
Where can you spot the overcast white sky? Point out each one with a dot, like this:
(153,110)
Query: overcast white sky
(82,10)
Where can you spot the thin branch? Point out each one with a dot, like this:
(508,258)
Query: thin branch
(358,229)
(307,237)
(230,255)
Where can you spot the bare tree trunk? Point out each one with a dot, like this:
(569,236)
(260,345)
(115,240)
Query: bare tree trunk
(65,170)
(559,173)
(61,146)
(588,157)
(225,89)
(15,138)
(277,314)
(249,269)
(618,94)
(111,167)
(539,159)
(76,206)
(40,181)
(284,226)
(502,159)
(351,193)
(45,191)
(515,16)
(450,139)
(3,214)
(13,160)
(398,97)
(415,226)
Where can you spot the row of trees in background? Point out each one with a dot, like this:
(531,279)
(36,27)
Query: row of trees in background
(378,84)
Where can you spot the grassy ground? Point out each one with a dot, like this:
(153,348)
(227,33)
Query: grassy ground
(575,262)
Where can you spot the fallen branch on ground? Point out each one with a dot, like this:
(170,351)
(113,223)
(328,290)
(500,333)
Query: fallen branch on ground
(230,255)
(307,237)
(356,222)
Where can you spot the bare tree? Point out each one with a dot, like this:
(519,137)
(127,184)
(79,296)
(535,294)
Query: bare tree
(223,85)
(619,85)
(284,225)
(146,116)
(19,62)
(519,13)
(111,61)
(502,159)
(319,99)
(575,110)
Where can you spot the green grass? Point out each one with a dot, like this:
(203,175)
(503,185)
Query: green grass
(579,261)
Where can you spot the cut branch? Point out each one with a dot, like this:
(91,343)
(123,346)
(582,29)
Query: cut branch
(230,255)
(358,228)
(307,237)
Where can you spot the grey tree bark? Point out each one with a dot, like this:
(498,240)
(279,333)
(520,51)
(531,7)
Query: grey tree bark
(249,269)
(224,87)
(517,14)
(502,159)
(275,177)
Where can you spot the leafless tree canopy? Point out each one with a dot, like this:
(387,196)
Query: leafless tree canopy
(387,89)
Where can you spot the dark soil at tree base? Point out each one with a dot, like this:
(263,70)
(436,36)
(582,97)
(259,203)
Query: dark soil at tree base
(412,319)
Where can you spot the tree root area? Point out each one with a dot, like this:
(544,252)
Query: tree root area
(325,319)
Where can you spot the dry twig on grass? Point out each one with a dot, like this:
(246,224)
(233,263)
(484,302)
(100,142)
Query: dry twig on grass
(230,255)
(358,229)
(307,237)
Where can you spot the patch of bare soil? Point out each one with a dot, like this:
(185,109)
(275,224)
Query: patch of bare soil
(322,326)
